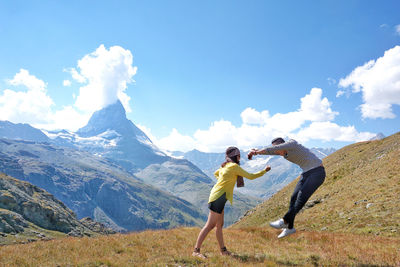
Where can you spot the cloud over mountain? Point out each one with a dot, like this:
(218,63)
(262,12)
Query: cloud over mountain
(106,74)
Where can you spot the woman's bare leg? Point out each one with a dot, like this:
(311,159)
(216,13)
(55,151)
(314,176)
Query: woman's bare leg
(213,218)
(218,232)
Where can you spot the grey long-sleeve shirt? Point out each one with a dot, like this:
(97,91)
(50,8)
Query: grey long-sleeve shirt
(296,153)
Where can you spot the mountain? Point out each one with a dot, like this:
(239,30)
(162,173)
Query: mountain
(110,135)
(21,131)
(29,213)
(282,172)
(93,187)
(360,193)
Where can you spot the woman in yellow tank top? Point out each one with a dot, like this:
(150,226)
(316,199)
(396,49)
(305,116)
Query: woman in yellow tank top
(222,191)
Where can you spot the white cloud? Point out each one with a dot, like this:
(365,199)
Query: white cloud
(397,29)
(329,131)
(31,105)
(176,142)
(67,83)
(75,75)
(316,108)
(379,83)
(107,73)
(67,118)
(259,128)
(251,116)
(30,81)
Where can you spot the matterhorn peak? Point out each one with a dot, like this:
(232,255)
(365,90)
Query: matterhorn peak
(110,118)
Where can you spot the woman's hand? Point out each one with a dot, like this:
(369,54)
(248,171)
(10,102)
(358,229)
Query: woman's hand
(268,168)
(251,154)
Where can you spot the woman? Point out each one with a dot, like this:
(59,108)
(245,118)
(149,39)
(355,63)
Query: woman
(220,193)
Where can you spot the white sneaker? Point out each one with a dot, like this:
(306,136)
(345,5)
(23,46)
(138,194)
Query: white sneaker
(279,224)
(287,232)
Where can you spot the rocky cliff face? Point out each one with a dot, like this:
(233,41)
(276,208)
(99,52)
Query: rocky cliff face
(31,213)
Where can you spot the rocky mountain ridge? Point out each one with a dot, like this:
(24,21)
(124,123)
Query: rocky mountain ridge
(29,213)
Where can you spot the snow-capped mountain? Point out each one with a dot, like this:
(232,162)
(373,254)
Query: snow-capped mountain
(109,134)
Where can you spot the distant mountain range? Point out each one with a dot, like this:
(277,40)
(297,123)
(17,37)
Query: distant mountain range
(122,153)
(95,187)
(282,172)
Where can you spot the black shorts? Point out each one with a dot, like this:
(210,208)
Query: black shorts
(218,205)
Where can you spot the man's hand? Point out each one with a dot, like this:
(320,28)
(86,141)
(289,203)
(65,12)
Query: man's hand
(268,168)
(251,154)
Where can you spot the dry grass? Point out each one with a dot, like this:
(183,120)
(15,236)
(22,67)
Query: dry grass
(253,247)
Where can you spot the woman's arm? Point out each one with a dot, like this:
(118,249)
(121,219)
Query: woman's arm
(241,172)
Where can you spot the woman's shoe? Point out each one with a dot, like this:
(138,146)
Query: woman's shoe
(225,252)
(196,253)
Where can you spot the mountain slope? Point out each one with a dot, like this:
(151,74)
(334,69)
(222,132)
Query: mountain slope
(21,131)
(94,187)
(29,213)
(360,194)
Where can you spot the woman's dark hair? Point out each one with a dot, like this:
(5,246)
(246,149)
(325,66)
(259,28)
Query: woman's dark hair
(231,155)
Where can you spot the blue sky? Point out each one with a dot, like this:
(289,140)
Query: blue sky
(206,70)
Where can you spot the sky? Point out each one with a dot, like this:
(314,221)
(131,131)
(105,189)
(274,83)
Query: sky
(206,74)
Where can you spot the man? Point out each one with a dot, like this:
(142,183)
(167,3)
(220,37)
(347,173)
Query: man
(312,177)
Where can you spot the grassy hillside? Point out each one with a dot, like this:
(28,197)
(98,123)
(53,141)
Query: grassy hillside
(361,193)
(252,247)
